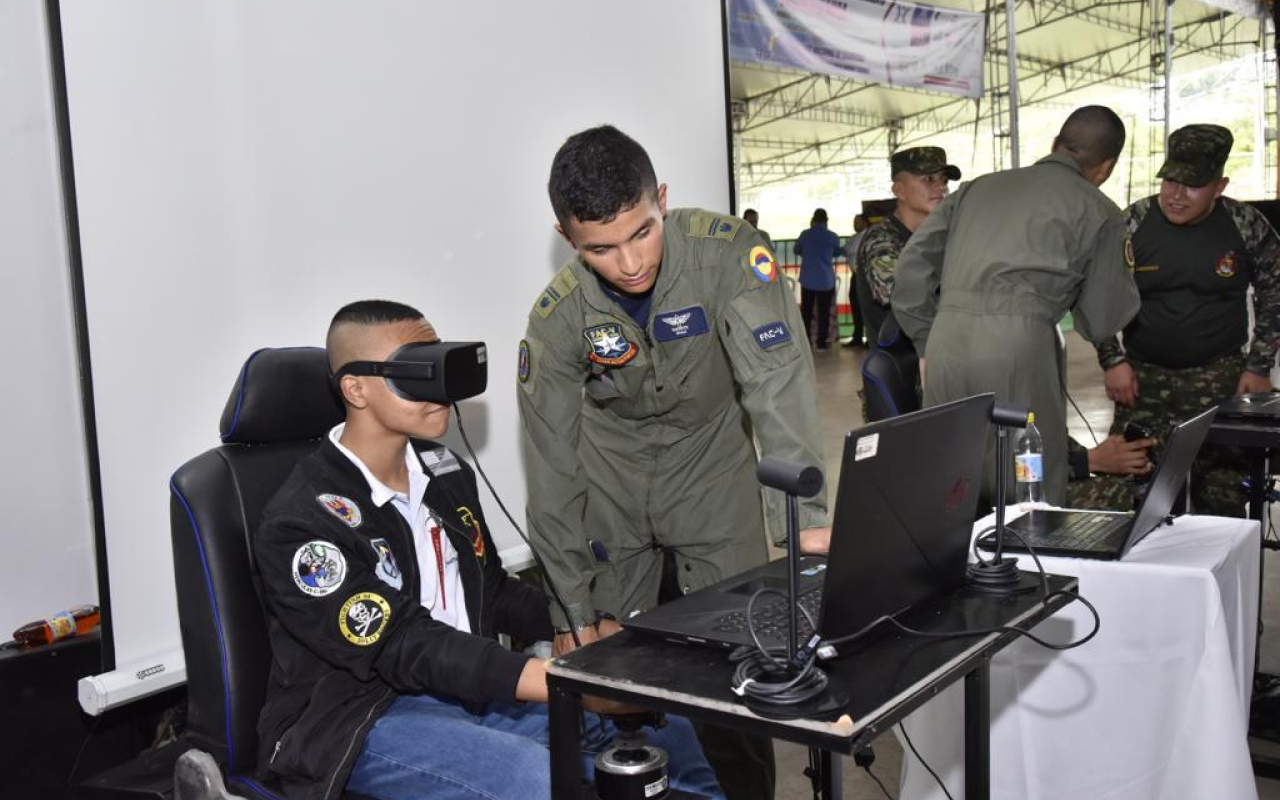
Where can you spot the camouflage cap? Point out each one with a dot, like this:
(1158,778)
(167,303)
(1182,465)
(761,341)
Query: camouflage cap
(923,161)
(1197,154)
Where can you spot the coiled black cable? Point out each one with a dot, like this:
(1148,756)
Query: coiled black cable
(769,675)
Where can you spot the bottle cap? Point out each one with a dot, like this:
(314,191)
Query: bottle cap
(1031,418)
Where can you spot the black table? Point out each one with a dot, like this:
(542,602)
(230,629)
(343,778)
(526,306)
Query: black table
(885,677)
(1261,441)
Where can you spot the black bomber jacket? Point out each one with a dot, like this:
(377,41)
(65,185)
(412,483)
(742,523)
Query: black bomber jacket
(346,640)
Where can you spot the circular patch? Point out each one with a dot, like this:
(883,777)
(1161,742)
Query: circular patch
(1129,257)
(319,568)
(762,264)
(342,508)
(363,618)
(1226,267)
(522,371)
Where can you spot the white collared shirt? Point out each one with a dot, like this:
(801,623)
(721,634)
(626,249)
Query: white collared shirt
(442,593)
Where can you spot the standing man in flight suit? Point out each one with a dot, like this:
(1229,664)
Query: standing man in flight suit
(1012,252)
(920,176)
(1196,253)
(654,363)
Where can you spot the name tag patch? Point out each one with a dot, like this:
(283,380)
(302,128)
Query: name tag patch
(440,461)
(772,335)
(679,324)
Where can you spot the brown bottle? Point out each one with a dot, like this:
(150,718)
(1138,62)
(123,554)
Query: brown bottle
(80,619)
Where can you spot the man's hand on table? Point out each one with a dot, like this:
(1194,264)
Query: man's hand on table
(815,540)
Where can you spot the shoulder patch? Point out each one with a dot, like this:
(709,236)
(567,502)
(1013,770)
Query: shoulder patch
(319,568)
(364,617)
(342,508)
(1129,257)
(561,286)
(760,263)
(704,225)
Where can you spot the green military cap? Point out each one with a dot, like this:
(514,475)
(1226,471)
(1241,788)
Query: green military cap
(1197,154)
(923,161)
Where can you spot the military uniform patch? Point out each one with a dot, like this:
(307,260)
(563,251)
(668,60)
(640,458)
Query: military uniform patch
(681,323)
(319,568)
(772,335)
(609,346)
(440,461)
(1226,267)
(388,570)
(1129,257)
(760,262)
(363,618)
(561,285)
(713,226)
(477,535)
(342,508)
(522,368)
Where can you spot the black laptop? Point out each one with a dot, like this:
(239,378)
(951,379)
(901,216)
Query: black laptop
(1105,535)
(1257,407)
(904,513)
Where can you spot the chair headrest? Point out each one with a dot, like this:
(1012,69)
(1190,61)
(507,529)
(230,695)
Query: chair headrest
(281,395)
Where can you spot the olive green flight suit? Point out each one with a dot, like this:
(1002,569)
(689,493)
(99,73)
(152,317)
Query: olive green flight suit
(1012,252)
(640,439)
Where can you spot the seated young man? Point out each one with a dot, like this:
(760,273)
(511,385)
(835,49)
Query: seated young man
(385,594)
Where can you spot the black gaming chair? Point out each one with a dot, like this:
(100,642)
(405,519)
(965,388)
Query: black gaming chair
(890,374)
(280,407)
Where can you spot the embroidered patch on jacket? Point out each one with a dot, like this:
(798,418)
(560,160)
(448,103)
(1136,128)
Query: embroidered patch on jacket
(762,265)
(1129,257)
(388,570)
(609,346)
(772,335)
(681,323)
(319,568)
(523,363)
(342,508)
(477,535)
(440,460)
(363,618)
(1226,267)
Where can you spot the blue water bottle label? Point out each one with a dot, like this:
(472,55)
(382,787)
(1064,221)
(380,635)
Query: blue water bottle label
(1029,468)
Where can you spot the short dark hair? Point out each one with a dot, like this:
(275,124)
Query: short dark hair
(750,211)
(374,312)
(597,174)
(1091,135)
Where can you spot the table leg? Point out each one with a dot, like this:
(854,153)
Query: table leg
(977,732)
(566,765)
(832,780)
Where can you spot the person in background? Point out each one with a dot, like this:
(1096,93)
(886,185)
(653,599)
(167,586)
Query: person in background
(817,248)
(753,219)
(861,336)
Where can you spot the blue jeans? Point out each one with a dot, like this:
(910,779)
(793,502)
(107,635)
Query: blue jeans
(430,747)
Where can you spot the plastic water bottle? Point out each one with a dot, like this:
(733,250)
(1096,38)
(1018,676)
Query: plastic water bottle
(1028,466)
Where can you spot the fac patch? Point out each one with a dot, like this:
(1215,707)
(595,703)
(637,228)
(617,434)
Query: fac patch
(679,324)
(319,568)
(388,570)
(772,335)
(523,364)
(440,461)
(363,618)
(342,508)
(1129,257)
(1226,267)
(477,535)
(761,263)
(609,346)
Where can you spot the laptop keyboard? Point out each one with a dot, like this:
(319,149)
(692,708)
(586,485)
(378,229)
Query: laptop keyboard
(1090,532)
(772,617)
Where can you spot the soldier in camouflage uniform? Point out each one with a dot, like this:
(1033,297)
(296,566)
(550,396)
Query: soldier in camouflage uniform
(920,176)
(653,364)
(1195,255)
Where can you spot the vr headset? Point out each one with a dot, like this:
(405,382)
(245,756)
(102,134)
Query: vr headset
(431,372)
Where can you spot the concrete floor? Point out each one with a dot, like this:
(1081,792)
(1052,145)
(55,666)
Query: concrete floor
(840,410)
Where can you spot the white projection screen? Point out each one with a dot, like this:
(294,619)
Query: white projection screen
(245,168)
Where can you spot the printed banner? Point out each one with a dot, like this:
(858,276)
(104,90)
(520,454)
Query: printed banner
(880,41)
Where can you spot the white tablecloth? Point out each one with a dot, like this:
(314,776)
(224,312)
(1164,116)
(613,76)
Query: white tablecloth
(1155,707)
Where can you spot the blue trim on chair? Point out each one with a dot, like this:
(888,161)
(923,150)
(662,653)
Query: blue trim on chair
(244,371)
(217,621)
(884,391)
(255,786)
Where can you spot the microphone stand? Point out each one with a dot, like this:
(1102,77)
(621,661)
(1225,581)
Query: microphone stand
(1000,575)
